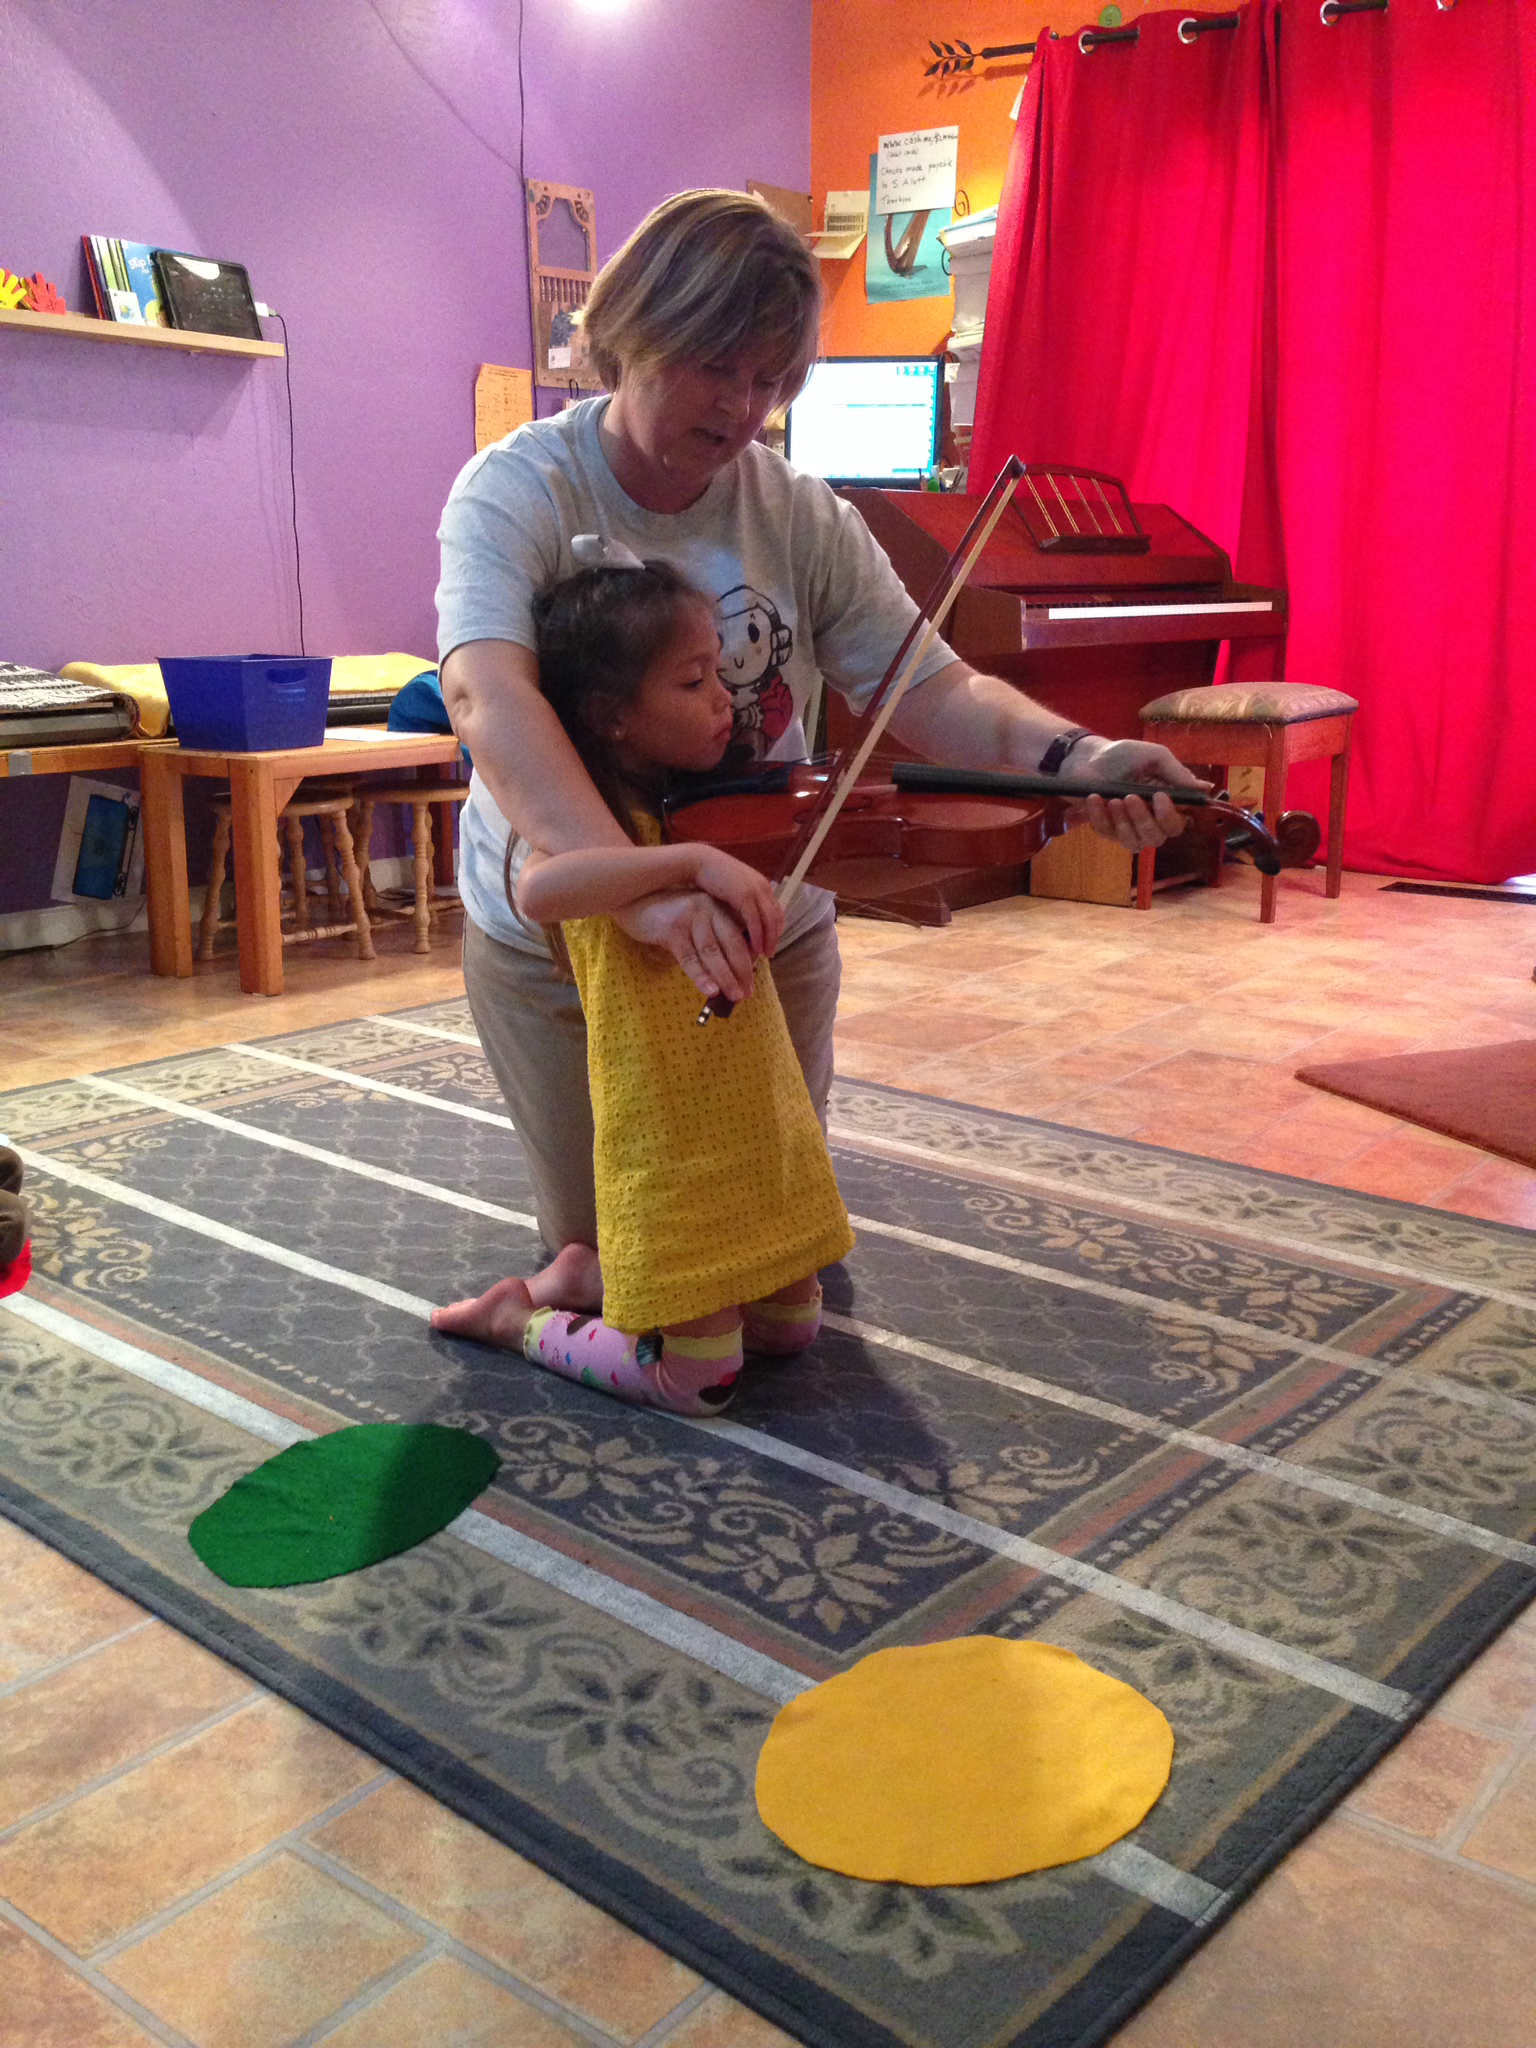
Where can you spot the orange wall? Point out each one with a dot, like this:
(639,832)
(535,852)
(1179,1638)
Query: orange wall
(867,59)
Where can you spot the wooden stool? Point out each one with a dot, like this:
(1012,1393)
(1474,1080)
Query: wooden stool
(419,797)
(330,803)
(1256,725)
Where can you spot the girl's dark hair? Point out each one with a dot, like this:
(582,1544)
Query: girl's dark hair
(597,632)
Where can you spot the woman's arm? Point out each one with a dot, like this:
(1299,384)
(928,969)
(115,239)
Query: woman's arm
(602,881)
(520,750)
(971,720)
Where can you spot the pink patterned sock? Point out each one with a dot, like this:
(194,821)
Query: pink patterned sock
(777,1328)
(688,1375)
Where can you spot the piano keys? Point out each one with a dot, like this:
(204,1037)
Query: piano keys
(1092,634)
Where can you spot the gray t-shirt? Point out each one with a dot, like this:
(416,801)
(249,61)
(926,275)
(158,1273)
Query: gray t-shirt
(802,593)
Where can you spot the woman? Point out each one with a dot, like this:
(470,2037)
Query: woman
(702,325)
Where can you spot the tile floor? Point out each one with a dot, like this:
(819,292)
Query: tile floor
(186,1860)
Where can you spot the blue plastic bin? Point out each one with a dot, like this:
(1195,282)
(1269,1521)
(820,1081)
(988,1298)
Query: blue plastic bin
(248,703)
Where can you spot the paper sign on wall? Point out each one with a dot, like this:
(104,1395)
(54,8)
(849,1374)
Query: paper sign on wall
(503,400)
(916,170)
(847,225)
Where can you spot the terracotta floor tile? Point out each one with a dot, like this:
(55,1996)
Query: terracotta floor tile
(44,2005)
(1410,1165)
(50,1608)
(1356,1943)
(1499,1691)
(129,1849)
(922,1031)
(264,1959)
(721,2023)
(505,1909)
(1426,1784)
(1505,1835)
(445,2004)
(98,1713)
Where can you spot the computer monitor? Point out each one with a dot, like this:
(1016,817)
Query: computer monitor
(868,420)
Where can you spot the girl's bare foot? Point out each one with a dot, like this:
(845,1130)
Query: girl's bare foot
(499,1316)
(573,1279)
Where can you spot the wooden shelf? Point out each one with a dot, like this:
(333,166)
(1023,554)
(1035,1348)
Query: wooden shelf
(124,330)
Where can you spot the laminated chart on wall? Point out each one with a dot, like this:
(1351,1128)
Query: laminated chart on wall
(911,197)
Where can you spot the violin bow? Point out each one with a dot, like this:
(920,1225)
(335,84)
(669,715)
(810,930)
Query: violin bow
(894,685)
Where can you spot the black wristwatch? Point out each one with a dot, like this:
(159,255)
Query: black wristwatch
(1060,747)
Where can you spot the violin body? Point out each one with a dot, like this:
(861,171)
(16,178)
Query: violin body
(895,852)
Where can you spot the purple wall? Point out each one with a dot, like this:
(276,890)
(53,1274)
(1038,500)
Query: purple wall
(362,161)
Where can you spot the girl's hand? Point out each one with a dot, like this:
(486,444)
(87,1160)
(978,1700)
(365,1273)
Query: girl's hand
(702,936)
(745,893)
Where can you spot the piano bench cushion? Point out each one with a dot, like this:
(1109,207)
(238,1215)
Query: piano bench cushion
(1248,704)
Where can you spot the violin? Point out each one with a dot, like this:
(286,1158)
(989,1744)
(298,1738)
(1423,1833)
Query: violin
(920,815)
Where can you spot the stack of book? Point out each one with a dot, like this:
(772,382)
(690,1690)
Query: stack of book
(123,281)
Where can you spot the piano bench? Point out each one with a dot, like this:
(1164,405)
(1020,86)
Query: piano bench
(1257,725)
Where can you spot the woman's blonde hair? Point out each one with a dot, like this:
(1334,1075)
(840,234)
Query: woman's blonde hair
(706,273)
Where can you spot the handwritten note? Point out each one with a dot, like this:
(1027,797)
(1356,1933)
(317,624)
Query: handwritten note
(916,170)
(503,400)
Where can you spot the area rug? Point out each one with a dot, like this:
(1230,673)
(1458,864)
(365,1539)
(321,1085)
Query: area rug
(1483,1094)
(1261,1449)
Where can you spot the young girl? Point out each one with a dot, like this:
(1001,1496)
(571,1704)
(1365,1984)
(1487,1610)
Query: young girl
(716,1200)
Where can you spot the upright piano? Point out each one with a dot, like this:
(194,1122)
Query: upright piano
(1091,626)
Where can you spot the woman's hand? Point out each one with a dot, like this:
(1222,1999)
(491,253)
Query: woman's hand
(1130,821)
(700,933)
(748,895)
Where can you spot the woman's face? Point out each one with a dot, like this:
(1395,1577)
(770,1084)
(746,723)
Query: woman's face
(672,427)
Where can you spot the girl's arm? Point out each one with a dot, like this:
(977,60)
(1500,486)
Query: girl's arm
(598,881)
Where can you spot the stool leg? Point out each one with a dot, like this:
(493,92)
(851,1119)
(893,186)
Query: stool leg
(218,862)
(297,873)
(360,824)
(354,888)
(1144,864)
(1337,788)
(332,872)
(1274,801)
(421,847)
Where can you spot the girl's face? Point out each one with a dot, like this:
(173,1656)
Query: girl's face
(672,427)
(680,717)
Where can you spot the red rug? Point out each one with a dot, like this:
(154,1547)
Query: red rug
(1483,1094)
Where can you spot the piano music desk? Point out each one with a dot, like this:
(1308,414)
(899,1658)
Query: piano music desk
(259,785)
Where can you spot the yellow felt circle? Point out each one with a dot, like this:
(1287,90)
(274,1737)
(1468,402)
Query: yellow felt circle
(961,1762)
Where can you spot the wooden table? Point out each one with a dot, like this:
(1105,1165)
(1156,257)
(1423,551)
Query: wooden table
(259,784)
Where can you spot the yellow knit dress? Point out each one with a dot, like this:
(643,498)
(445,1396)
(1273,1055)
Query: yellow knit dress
(713,1182)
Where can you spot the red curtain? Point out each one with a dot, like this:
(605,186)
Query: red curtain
(1281,279)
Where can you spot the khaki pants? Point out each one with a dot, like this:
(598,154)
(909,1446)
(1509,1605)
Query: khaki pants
(535,1039)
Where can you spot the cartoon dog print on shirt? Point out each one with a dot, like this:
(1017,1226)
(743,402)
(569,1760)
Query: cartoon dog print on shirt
(755,643)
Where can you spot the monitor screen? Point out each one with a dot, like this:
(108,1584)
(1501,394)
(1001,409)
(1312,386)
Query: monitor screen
(871,420)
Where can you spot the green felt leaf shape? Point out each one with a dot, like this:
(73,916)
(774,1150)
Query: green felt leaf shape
(335,1503)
